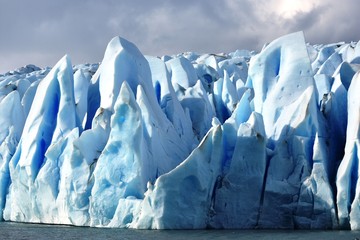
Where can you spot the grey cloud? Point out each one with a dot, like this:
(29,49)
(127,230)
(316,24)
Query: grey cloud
(330,22)
(42,31)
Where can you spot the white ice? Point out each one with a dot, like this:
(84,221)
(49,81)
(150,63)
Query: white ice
(239,140)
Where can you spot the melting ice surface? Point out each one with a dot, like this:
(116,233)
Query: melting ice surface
(239,140)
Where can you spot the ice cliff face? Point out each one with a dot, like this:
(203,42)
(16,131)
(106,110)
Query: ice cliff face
(239,140)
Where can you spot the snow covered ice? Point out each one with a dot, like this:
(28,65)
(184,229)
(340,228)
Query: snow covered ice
(190,141)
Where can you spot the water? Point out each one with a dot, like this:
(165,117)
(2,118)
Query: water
(40,231)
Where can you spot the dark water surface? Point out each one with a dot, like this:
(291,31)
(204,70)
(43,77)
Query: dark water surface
(40,231)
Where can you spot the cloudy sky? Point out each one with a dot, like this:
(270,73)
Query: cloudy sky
(42,31)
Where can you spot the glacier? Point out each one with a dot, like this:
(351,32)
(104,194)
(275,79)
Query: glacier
(242,140)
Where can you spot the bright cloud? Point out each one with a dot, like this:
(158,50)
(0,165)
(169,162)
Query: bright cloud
(290,8)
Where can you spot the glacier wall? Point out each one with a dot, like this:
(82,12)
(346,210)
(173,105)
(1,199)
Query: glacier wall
(239,140)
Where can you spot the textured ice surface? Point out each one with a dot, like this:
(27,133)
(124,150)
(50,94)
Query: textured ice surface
(238,140)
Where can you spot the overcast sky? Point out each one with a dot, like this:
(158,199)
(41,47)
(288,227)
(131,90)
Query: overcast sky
(42,31)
